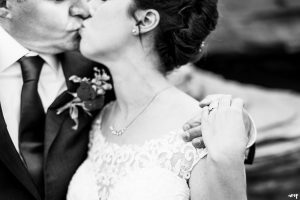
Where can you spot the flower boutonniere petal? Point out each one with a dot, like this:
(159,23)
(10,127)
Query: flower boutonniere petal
(89,96)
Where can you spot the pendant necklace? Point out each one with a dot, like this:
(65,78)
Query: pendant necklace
(120,132)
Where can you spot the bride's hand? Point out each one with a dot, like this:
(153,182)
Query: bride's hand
(222,127)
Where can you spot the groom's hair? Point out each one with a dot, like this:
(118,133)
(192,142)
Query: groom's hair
(183,27)
(2,3)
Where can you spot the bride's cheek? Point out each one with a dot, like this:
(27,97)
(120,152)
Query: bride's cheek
(93,6)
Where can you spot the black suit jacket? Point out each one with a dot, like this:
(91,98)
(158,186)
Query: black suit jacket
(64,150)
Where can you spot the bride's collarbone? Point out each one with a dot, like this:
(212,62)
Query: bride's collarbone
(146,129)
(161,119)
(140,132)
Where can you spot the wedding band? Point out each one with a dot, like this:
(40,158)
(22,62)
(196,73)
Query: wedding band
(213,105)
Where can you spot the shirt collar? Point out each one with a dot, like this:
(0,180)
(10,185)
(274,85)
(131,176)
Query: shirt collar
(11,51)
(51,60)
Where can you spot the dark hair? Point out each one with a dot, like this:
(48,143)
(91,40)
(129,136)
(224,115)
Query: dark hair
(183,27)
(2,3)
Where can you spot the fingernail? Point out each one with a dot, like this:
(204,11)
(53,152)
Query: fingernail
(185,136)
(186,127)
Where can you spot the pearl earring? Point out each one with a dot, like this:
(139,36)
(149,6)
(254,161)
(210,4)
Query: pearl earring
(134,31)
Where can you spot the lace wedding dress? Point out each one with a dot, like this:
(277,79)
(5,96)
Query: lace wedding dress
(157,170)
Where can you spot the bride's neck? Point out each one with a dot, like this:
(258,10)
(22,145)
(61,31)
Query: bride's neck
(136,80)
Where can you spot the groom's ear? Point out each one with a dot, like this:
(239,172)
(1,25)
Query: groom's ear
(4,11)
(148,20)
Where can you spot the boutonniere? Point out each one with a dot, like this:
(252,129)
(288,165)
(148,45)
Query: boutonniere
(89,95)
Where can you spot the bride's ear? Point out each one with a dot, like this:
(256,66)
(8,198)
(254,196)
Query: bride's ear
(147,20)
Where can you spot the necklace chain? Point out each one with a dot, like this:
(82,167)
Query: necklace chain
(120,132)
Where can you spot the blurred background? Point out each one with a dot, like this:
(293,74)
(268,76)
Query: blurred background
(255,54)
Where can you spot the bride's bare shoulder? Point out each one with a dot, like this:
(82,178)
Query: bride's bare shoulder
(182,106)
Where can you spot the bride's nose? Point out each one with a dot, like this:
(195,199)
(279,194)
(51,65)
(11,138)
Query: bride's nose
(93,6)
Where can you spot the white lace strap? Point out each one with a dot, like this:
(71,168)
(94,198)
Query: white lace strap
(184,157)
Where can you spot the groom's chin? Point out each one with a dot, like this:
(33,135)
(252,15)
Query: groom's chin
(72,45)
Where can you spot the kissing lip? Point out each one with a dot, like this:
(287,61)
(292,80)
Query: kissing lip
(74,26)
(81,29)
(77,30)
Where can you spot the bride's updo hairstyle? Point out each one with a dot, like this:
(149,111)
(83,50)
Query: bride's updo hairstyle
(183,27)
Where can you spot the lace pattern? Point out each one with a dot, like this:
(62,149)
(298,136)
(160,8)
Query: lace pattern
(112,161)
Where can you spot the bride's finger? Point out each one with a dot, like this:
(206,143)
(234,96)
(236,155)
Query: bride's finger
(237,103)
(225,101)
(205,115)
(209,99)
(213,105)
(205,123)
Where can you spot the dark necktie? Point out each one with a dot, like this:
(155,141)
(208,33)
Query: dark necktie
(32,120)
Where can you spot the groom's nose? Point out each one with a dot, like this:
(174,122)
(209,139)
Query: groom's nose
(79,9)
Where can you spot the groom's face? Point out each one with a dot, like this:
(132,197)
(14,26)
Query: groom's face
(46,26)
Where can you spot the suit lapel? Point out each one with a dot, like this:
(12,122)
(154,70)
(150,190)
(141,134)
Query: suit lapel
(73,64)
(10,157)
(54,121)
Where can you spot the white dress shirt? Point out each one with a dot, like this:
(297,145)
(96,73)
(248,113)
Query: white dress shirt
(51,82)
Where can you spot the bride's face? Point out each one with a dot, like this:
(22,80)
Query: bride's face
(108,30)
